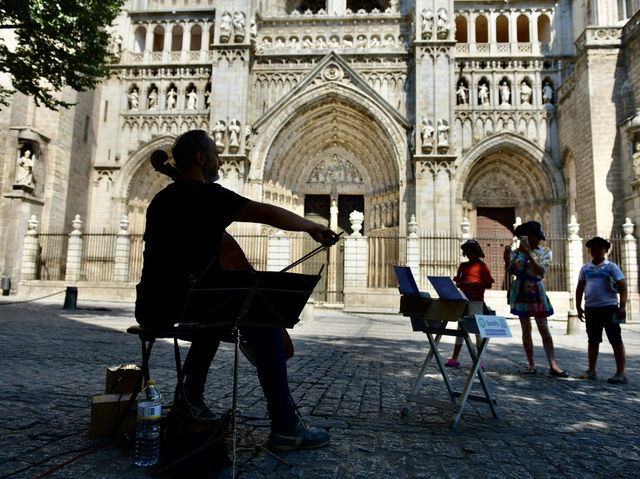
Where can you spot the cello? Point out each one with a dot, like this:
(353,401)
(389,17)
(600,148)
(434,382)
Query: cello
(232,256)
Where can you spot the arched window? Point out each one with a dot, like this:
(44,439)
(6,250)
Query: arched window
(212,30)
(522,25)
(544,29)
(196,38)
(304,5)
(502,29)
(139,40)
(366,5)
(176,38)
(158,39)
(461,29)
(482,29)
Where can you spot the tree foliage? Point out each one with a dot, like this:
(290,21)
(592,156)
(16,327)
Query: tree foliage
(58,43)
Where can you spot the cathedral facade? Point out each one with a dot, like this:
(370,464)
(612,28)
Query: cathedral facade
(429,113)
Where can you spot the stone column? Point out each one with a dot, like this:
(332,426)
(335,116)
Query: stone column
(123,252)
(630,268)
(413,249)
(74,251)
(278,251)
(574,263)
(355,256)
(29,268)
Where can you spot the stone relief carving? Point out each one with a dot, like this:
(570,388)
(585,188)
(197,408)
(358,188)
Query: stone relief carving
(426,24)
(238,26)
(332,72)
(335,170)
(234,135)
(225,27)
(24,168)
(443,24)
(253,29)
(219,135)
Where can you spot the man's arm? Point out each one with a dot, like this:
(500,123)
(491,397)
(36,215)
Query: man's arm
(579,293)
(256,212)
(622,289)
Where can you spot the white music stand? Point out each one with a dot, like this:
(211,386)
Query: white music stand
(434,325)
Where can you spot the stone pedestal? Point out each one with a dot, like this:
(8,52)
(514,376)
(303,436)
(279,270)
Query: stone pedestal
(123,252)
(29,268)
(74,252)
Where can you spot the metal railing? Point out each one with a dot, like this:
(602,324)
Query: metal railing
(51,263)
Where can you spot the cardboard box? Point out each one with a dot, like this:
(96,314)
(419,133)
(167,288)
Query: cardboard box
(122,379)
(107,409)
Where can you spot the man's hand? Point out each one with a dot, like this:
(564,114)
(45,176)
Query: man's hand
(622,311)
(322,234)
(506,255)
(580,313)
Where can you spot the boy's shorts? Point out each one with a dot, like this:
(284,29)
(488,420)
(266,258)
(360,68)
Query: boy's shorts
(602,317)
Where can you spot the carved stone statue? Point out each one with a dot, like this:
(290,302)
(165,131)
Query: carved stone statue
(234,135)
(426,24)
(172,99)
(192,99)
(153,99)
(547,93)
(361,41)
(24,169)
(505,93)
(443,133)
(426,135)
(225,27)
(525,93)
(238,26)
(207,98)
(218,135)
(253,29)
(443,24)
(483,94)
(134,99)
(462,94)
(247,137)
(636,157)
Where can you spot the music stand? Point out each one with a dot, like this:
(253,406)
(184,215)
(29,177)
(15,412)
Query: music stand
(237,298)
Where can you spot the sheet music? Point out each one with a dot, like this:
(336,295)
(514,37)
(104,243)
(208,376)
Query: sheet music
(446,289)
(406,281)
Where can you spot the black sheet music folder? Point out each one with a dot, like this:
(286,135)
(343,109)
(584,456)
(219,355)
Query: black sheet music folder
(254,298)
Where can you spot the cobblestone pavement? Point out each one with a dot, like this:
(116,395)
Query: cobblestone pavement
(350,375)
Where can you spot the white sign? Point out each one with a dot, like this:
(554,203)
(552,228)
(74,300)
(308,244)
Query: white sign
(492,326)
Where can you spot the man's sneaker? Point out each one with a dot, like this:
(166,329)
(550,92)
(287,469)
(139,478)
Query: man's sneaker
(617,379)
(200,410)
(588,375)
(452,363)
(300,436)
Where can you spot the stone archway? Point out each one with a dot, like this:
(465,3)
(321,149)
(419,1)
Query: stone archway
(138,182)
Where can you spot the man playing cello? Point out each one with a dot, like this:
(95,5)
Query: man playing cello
(185,225)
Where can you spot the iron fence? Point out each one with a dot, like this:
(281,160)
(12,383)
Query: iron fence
(51,263)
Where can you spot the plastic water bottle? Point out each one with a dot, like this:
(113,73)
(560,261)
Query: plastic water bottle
(148,428)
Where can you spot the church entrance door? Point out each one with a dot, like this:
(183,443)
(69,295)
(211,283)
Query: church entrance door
(494,232)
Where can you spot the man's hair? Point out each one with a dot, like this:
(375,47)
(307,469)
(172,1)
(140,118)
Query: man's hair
(187,145)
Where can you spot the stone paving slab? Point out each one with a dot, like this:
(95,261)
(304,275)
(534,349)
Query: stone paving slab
(350,375)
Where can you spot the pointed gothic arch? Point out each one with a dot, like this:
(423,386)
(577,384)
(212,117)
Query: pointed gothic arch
(510,171)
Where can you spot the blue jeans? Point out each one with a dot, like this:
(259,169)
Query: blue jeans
(268,347)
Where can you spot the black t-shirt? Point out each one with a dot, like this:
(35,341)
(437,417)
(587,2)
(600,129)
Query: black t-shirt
(185,222)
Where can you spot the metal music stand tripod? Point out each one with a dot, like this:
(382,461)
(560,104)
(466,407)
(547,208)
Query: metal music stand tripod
(237,299)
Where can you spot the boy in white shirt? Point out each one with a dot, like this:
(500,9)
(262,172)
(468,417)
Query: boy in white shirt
(602,280)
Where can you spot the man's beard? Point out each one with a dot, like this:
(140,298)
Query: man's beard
(210,173)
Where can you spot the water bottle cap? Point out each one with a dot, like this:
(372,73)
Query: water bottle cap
(151,382)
